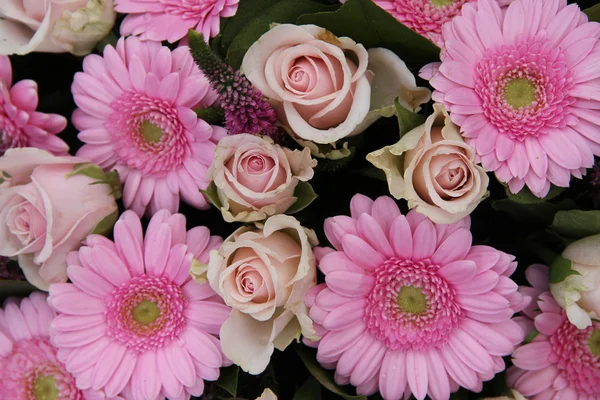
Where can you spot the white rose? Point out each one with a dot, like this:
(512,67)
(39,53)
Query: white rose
(54,26)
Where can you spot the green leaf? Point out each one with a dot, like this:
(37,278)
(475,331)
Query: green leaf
(526,197)
(532,335)
(212,195)
(110,178)
(560,269)
(407,120)
(88,169)
(305,195)
(247,12)
(324,377)
(10,288)
(593,13)
(540,213)
(228,379)
(286,11)
(371,26)
(310,390)
(576,223)
(105,226)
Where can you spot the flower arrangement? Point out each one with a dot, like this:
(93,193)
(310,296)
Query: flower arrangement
(299,199)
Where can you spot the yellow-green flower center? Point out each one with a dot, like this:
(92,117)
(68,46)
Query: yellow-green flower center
(45,388)
(594,342)
(519,92)
(151,132)
(146,312)
(412,300)
(441,3)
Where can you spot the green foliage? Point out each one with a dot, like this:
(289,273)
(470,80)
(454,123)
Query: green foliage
(577,224)
(366,23)
(211,195)
(228,379)
(286,11)
(305,195)
(593,13)
(110,178)
(407,120)
(560,269)
(310,390)
(105,226)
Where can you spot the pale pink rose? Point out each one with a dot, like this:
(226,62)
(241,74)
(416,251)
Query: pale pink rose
(579,294)
(45,212)
(255,178)
(54,26)
(434,170)
(263,274)
(515,396)
(320,84)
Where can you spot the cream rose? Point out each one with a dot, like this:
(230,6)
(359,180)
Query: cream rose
(267,394)
(434,170)
(263,274)
(54,26)
(320,84)
(579,294)
(46,211)
(255,178)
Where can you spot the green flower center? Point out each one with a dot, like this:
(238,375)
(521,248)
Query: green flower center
(594,342)
(440,3)
(45,388)
(412,300)
(145,313)
(519,92)
(151,132)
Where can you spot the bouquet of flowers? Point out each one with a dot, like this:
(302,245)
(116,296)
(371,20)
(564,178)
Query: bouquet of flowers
(299,199)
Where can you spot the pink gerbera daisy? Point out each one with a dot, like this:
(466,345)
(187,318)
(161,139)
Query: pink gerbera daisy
(523,85)
(409,306)
(133,321)
(172,19)
(30,369)
(562,362)
(20,124)
(136,115)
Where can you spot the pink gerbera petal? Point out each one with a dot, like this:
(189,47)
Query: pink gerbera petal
(20,124)
(562,361)
(515,79)
(415,312)
(136,115)
(149,313)
(29,363)
(171,19)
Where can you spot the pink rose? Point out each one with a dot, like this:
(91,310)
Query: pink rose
(263,274)
(434,170)
(46,211)
(319,83)
(255,178)
(54,26)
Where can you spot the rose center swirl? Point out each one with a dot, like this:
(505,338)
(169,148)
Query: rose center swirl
(410,306)
(146,312)
(580,371)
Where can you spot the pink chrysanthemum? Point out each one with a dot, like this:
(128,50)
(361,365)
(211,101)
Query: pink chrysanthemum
(135,114)
(523,85)
(172,19)
(133,321)
(410,306)
(20,124)
(30,369)
(562,362)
